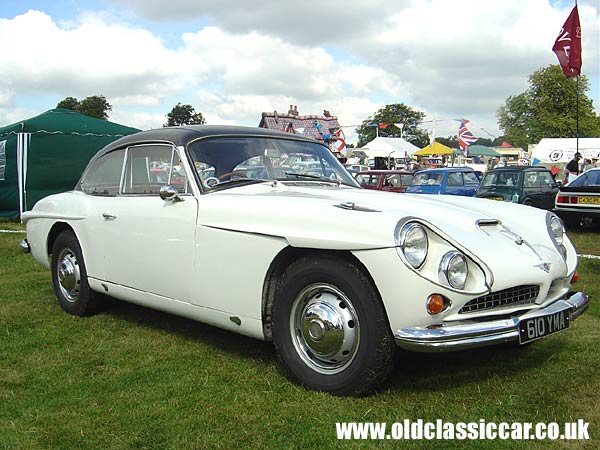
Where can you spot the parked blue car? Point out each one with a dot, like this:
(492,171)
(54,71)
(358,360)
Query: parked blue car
(447,181)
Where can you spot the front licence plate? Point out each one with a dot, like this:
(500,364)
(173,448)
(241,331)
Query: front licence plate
(589,200)
(539,327)
(501,199)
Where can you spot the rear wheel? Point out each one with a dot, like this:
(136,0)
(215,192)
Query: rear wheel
(69,277)
(330,328)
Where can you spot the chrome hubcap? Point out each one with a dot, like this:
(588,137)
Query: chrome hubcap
(324,328)
(69,276)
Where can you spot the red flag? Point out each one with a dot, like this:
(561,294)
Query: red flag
(383,126)
(568,45)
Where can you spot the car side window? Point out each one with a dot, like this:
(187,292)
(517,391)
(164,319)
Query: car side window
(470,178)
(406,180)
(547,180)
(368,180)
(149,167)
(103,176)
(392,181)
(531,180)
(455,179)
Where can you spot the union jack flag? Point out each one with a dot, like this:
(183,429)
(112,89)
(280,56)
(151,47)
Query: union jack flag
(465,137)
(340,144)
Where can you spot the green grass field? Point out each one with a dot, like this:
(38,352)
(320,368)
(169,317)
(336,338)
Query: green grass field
(136,378)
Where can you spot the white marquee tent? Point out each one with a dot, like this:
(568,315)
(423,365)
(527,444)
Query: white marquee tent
(389,147)
(562,150)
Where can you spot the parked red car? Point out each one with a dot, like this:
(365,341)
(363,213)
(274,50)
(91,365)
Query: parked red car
(385,180)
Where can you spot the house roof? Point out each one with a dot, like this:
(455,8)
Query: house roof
(311,126)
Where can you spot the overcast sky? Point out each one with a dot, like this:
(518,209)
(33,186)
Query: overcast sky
(234,59)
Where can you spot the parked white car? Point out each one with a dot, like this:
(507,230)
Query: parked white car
(336,276)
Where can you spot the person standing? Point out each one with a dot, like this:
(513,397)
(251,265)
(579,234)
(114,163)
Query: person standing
(497,162)
(572,169)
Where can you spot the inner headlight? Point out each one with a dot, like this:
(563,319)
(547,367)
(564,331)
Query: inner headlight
(413,243)
(557,230)
(455,269)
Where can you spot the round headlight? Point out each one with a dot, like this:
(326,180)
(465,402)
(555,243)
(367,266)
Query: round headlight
(413,243)
(455,269)
(557,230)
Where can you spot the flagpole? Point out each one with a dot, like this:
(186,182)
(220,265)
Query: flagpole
(577,116)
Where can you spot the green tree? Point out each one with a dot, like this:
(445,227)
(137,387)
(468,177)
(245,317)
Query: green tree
(94,106)
(184,115)
(68,103)
(390,115)
(548,109)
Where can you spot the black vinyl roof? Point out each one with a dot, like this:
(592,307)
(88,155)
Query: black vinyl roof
(183,135)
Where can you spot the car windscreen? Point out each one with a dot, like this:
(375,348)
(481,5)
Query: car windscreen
(232,160)
(500,179)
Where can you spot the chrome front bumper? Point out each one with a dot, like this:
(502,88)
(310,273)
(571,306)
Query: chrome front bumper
(453,336)
(24,246)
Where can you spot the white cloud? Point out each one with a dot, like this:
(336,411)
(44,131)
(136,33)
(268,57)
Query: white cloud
(92,56)
(141,120)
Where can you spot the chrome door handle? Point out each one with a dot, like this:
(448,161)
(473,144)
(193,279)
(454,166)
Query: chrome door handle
(108,216)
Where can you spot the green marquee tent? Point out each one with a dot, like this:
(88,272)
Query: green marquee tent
(46,154)
(482,150)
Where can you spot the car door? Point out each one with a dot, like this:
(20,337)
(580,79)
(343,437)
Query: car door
(471,183)
(532,193)
(549,189)
(148,242)
(454,184)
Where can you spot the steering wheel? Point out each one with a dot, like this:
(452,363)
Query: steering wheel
(231,174)
(211,182)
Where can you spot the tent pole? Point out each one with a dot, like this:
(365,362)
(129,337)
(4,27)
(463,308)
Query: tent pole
(20,173)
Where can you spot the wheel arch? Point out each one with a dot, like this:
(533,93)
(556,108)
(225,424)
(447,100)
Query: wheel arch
(55,230)
(278,266)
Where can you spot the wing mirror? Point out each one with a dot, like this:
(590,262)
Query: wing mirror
(169,193)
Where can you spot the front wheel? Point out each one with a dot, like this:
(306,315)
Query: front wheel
(69,277)
(330,328)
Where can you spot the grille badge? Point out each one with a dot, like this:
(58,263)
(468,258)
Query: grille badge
(545,266)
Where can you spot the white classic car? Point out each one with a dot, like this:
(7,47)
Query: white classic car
(243,238)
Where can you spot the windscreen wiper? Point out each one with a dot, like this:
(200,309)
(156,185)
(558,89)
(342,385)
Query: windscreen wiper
(313,177)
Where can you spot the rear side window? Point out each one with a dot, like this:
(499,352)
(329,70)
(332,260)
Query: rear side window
(103,176)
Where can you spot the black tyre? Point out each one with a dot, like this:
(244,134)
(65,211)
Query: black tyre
(330,329)
(69,277)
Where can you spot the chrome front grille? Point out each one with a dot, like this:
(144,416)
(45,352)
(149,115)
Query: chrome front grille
(519,295)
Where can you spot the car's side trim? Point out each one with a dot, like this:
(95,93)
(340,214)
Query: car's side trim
(47,215)
(471,334)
